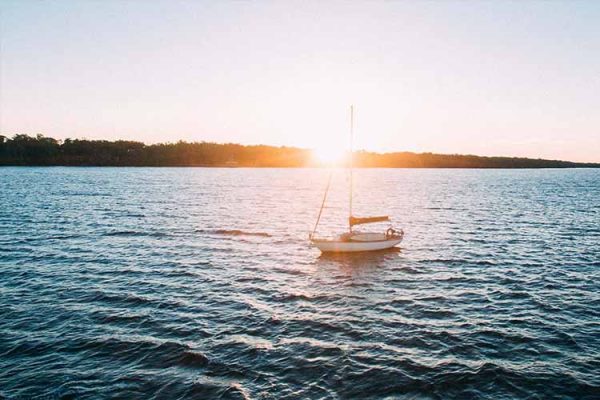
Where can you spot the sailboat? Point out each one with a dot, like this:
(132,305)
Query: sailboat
(355,241)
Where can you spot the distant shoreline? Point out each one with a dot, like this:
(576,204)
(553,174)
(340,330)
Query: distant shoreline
(41,151)
(275,167)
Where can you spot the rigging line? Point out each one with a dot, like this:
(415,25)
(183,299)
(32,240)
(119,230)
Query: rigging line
(322,204)
(351,164)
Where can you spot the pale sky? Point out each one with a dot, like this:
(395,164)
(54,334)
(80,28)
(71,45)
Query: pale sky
(516,78)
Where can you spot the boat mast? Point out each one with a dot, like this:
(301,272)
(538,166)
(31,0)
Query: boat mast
(351,163)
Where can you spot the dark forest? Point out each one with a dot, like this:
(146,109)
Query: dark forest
(45,151)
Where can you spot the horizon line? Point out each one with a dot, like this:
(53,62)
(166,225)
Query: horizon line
(3,137)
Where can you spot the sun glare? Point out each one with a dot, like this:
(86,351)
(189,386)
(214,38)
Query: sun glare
(329,155)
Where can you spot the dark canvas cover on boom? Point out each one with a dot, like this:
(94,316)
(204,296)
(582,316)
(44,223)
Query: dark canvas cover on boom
(367,220)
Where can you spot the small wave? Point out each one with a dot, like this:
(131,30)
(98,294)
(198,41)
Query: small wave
(513,295)
(193,359)
(119,318)
(435,299)
(398,302)
(180,272)
(253,342)
(232,232)
(133,215)
(485,263)
(25,347)
(132,300)
(121,233)
(116,298)
(134,233)
(290,271)
(291,297)
(62,237)
(437,313)
(406,270)
(289,240)
(88,194)
(502,337)
(149,353)
(321,345)
(445,261)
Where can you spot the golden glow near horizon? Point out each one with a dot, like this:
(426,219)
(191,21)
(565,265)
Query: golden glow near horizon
(329,156)
(278,73)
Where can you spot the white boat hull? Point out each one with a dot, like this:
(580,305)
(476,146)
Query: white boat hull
(338,246)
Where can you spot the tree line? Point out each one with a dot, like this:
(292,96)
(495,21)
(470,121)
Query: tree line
(45,151)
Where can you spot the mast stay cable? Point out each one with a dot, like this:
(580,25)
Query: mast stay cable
(322,204)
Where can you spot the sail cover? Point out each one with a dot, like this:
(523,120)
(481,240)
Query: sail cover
(367,220)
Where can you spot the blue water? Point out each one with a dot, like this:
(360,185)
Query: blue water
(199,283)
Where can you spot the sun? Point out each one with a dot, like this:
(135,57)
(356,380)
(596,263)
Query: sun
(329,155)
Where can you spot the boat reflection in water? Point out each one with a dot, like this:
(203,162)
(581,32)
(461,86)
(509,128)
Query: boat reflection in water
(351,263)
